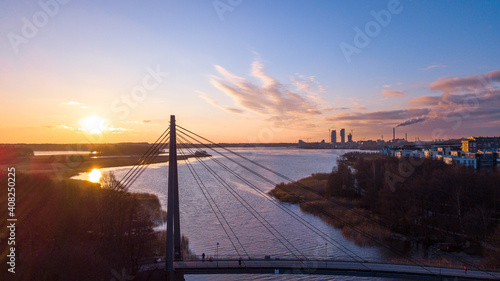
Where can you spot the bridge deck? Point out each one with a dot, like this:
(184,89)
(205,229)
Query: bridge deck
(322,267)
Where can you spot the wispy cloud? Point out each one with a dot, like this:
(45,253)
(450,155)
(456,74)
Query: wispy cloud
(470,83)
(138,121)
(424,101)
(216,104)
(472,99)
(269,98)
(70,103)
(392,94)
(336,108)
(388,115)
(433,66)
(63,127)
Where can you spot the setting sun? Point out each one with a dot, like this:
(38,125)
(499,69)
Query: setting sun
(95,175)
(93,124)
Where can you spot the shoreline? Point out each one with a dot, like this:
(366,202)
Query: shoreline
(66,166)
(311,201)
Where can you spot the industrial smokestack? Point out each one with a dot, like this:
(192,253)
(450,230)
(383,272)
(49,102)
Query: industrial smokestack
(406,136)
(394,134)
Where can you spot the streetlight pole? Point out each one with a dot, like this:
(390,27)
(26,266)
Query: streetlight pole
(217,255)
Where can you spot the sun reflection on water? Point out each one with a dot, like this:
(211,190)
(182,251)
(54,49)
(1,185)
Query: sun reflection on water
(95,175)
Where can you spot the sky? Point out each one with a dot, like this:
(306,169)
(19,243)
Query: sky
(76,71)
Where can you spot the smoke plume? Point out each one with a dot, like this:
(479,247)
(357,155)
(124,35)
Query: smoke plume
(411,121)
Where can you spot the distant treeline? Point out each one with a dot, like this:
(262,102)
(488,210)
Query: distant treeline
(421,197)
(9,153)
(128,147)
(76,230)
(124,149)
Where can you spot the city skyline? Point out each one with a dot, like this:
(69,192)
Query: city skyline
(248,71)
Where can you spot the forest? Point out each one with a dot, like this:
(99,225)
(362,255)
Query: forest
(12,153)
(77,230)
(451,207)
(421,197)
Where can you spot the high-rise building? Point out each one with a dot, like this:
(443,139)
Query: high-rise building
(333,138)
(342,135)
(349,137)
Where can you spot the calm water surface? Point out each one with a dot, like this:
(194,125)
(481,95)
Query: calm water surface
(200,225)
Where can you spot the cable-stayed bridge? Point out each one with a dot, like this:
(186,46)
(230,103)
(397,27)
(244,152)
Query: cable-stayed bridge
(175,265)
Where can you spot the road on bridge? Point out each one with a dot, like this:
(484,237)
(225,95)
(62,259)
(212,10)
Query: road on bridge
(322,267)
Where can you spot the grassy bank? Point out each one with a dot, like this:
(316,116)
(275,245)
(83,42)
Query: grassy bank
(312,200)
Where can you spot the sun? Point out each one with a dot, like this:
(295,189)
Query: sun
(95,175)
(93,124)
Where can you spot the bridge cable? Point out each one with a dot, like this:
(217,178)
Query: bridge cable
(367,216)
(138,168)
(329,199)
(248,206)
(253,212)
(143,162)
(289,212)
(282,207)
(295,216)
(147,154)
(302,200)
(334,201)
(199,182)
(143,167)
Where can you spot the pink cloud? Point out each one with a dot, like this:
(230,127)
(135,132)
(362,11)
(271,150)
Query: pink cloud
(392,94)
(269,98)
(465,84)
(424,101)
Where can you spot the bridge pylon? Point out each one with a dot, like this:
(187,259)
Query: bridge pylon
(173,249)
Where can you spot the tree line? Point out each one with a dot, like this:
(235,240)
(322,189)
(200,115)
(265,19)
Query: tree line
(421,197)
(12,153)
(77,230)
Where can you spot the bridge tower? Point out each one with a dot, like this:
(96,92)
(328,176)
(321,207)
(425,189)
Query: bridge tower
(173,220)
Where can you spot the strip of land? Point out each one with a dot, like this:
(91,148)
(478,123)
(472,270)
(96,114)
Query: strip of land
(70,165)
(307,192)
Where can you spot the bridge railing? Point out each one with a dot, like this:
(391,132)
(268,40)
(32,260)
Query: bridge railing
(320,260)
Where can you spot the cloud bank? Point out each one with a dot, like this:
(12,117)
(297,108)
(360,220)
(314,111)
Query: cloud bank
(474,100)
